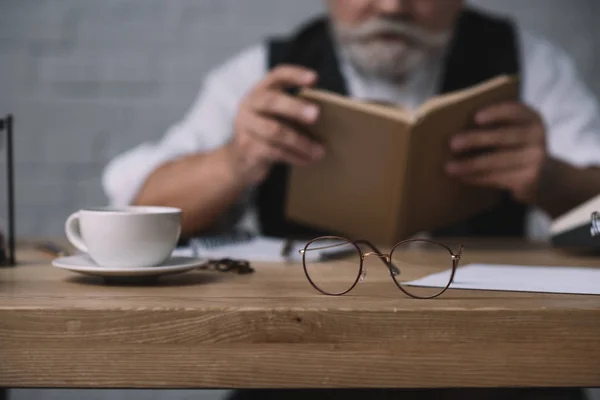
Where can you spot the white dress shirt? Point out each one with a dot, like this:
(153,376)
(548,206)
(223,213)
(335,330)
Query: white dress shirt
(550,82)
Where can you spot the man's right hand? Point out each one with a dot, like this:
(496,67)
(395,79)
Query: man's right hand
(261,137)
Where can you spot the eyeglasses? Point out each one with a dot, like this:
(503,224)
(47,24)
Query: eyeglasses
(335,265)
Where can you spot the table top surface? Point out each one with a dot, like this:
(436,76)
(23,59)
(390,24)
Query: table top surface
(271,328)
(35,284)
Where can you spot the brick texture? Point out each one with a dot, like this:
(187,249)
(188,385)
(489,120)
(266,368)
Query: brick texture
(88,79)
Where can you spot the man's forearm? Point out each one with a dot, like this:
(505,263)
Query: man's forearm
(565,187)
(204,186)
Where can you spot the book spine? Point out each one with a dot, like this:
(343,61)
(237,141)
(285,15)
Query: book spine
(406,192)
(402,215)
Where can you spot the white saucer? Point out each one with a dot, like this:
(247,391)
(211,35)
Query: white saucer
(83,264)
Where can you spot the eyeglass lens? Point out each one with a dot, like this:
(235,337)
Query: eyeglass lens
(332,265)
(419,258)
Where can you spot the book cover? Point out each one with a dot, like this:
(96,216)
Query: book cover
(577,229)
(382,177)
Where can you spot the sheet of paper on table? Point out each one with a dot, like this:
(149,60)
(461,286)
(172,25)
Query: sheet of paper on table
(254,249)
(520,278)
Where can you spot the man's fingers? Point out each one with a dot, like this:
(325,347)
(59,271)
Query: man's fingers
(481,139)
(282,136)
(267,153)
(501,180)
(279,104)
(269,98)
(288,75)
(270,153)
(506,112)
(494,162)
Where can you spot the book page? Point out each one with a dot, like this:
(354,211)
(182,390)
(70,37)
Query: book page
(386,104)
(499,83)
(383,109)
(433,198)
(353,190)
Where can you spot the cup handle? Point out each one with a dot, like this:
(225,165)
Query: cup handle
(73,232)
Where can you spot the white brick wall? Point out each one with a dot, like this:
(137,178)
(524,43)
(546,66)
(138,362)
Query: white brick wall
(88,79)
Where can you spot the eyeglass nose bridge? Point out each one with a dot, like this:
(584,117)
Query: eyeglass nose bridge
(386,257)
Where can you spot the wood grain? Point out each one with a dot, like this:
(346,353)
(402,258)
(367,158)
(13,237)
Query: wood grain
(293,365)
(272,329)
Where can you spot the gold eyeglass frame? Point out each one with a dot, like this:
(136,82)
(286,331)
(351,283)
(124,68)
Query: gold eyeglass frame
(386,259)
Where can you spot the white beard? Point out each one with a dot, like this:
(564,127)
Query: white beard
(389,59)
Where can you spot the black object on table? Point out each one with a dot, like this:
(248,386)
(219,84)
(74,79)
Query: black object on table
(7,255)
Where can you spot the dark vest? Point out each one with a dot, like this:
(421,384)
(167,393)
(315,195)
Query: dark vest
(483,47)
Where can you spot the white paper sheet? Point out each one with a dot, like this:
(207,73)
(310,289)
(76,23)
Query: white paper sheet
(521,278)
(183,252)
(259,249)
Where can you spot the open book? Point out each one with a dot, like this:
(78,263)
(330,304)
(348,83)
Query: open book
(578,229)
(383,176)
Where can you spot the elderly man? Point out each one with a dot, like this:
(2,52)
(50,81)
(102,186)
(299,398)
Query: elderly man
(225,164)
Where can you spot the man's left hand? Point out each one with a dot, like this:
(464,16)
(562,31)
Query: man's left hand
(511,137)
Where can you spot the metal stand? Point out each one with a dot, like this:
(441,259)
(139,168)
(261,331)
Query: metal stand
(595,224)
(6,125)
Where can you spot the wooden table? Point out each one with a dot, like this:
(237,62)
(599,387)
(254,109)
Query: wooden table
(272,329)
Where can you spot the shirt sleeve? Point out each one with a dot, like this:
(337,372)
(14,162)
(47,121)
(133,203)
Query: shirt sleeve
(206,126)
(552,85)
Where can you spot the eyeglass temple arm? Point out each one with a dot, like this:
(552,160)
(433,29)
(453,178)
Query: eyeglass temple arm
(455,260)
(389,265)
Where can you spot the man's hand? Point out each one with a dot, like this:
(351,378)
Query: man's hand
(261,135)
(512,137)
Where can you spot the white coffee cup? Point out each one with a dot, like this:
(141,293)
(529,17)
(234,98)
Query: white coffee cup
(126,237)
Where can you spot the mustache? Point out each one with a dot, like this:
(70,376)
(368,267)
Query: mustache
(413,33)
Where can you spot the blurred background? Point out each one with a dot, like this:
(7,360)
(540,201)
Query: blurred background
(88,79)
